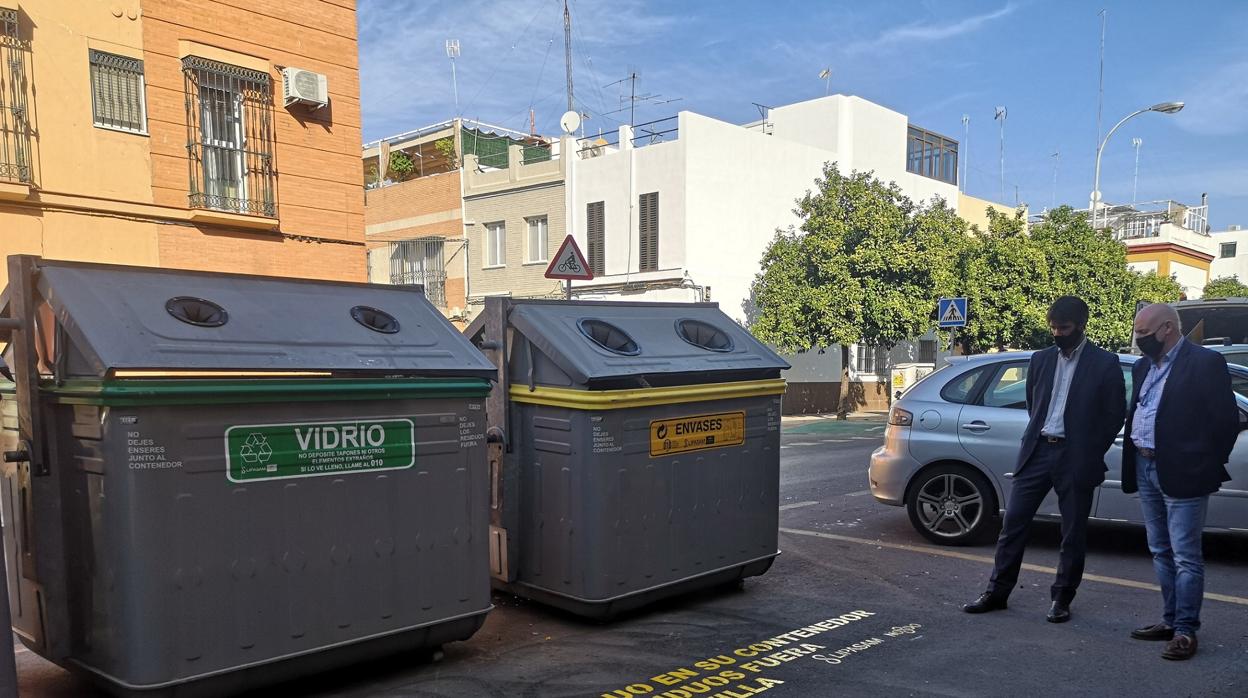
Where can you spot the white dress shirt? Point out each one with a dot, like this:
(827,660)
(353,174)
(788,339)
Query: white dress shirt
(1055,422)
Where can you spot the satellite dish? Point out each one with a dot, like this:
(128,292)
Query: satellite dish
(569,122)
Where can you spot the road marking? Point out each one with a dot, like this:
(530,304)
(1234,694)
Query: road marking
(802,443)
(796,505)
(859,493)
(1130,583)
(876,428)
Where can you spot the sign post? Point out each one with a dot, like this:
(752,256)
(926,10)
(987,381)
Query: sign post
(950,315)
(569,264)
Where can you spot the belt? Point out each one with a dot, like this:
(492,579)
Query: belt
(1052,439)
(1146,452)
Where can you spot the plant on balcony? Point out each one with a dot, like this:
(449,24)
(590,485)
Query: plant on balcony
(446,148)
(401,166)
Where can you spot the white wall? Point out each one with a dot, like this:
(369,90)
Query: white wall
(1192,279)
(617,178)
(741,186)
(1231,266)
(1143,267)
(864,136)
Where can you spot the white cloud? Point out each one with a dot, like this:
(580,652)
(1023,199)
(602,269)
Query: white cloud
(926,31)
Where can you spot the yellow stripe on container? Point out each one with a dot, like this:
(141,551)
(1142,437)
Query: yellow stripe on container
(643,397)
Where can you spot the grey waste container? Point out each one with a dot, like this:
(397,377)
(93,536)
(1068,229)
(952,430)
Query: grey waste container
(634,451)
(228,480)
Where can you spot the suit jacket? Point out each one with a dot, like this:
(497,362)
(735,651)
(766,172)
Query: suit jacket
(1197,424)
(1094,410)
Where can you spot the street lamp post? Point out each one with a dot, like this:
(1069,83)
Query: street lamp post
(1163,107)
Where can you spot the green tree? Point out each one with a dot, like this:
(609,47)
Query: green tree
(1090,264)
(401,166)
(1226,287)
(1004,274)
(1154,288)
(863,267)
(446,148)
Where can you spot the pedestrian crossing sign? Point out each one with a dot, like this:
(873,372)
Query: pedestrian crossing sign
(951,312)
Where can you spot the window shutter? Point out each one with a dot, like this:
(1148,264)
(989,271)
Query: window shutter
(648,255)
(596,224)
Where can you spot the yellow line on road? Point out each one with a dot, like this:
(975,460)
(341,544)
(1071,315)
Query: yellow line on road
(943,552)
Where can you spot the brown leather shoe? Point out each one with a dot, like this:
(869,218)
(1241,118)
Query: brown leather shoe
(1181,647)
(1158,632)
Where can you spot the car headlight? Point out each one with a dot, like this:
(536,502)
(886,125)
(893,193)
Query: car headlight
(900,418)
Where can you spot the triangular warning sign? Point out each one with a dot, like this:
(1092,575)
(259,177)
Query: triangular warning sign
(569,263)
(952,313)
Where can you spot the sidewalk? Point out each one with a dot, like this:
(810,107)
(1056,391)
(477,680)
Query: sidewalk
(864,416)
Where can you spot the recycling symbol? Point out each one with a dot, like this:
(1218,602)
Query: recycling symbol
(256,449)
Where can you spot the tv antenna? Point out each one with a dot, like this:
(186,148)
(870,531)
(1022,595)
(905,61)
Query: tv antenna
(826,76)
(633,98)
(1000,115)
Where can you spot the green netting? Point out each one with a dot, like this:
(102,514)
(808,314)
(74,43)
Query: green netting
(491,150)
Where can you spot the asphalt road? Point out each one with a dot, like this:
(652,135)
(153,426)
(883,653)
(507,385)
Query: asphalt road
(887,604)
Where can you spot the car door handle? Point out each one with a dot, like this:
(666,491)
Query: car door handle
(976,426)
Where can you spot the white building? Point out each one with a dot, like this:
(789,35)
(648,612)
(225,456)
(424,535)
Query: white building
(1231,258)
(1165,237)
(683,209)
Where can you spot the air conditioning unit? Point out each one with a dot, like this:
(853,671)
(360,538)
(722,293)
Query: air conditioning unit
(305,87)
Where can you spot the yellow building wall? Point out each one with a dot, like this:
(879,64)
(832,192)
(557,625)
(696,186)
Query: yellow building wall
(974,210)
(1164,258)
(115,197)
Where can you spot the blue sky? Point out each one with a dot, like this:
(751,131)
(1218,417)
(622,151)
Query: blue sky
(932,60)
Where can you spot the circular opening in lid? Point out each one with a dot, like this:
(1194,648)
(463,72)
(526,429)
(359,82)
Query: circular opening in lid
(704,335)
(374,319)
(197,311)
(609,337)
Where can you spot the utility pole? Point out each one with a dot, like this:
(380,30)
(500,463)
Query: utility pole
(1135,184)
(452,52)
(966,148)
(567,49)
(1000,115)
(1100,85)
(1057,161)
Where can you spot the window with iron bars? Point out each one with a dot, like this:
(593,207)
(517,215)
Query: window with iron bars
(420,261)
(230,138)
(117,92)
(14,115)
(870,360)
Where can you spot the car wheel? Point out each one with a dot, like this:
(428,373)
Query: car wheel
(953,505)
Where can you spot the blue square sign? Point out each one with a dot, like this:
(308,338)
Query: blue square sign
(951,312)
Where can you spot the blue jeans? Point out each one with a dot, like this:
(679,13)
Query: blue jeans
(1174,528)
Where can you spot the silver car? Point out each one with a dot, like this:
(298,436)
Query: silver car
(952,441)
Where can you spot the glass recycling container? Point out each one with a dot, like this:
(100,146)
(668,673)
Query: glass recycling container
(217,481)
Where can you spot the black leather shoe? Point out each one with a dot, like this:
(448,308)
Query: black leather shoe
(1181,647)
(986,602)
(1059,612)
(1155,633)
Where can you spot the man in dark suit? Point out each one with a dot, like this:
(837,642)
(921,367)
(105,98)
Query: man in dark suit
(1181,428)
(1076,397)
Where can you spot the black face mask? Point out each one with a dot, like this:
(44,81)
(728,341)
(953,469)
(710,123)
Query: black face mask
(1151,346)
(1068,342)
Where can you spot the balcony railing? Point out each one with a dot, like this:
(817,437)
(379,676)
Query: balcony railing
(1145,220)
(420,261)
(15,155)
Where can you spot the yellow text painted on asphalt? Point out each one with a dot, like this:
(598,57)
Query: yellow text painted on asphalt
(1130,583)
(696,433)
(737,674)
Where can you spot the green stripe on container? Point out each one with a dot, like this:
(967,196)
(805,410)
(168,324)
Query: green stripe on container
(124,393)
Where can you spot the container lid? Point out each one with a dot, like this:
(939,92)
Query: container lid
(138,318)
(593,341)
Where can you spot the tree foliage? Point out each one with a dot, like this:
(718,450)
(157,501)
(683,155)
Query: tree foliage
(1226,287)
(401,166)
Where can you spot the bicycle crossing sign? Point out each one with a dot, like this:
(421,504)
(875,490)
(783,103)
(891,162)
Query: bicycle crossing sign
(569,263)
(951,312)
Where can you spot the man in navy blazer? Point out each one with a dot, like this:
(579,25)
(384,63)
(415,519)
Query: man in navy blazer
(1076,398)
(1181,428)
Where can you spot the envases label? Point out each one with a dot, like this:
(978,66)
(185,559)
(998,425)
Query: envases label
(696,433)
(309,449)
